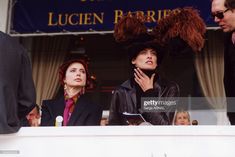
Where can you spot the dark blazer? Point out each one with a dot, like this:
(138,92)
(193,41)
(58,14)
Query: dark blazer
(229,75)
(124,100)
(229,66)
(85,112)
(17,92)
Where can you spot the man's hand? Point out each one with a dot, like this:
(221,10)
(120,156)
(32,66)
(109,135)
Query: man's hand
(34,122)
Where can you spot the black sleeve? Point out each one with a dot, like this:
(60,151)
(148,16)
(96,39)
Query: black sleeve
(46,118)
(26,89)
(115,117)
(24,122)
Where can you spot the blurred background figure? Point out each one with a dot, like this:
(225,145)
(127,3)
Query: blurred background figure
(182,118)
(194,122)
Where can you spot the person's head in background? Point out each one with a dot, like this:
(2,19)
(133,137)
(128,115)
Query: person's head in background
(74,77)
(34,116)
(230,4)
(182,118)
(223,12)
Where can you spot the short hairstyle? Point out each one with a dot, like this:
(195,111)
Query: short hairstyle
(63,68)
(230,4)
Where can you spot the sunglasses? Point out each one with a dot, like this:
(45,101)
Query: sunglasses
(219,15)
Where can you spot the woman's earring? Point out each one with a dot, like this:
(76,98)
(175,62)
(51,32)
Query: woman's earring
(65,86)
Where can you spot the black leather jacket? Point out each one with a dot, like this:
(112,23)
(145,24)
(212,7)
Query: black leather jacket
(124,100)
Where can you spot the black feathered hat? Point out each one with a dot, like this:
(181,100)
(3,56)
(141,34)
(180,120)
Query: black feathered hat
(132,34)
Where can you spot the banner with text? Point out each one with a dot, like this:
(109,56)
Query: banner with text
(52,16)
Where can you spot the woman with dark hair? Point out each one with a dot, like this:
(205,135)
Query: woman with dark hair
(74,106)
(145,56)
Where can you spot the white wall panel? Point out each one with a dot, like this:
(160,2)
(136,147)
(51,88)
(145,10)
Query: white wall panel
(120,141)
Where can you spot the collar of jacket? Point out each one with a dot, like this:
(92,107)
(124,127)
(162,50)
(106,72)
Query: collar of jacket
(130,86)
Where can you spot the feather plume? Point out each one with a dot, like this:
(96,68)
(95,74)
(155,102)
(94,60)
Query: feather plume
(184,23)
(128,28)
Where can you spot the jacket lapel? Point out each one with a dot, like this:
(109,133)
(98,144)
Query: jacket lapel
(131,91)
(79,109)
(59,107)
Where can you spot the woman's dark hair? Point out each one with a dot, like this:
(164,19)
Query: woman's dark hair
(63,68)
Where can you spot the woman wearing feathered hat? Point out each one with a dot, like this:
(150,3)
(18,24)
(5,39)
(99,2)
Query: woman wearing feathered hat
(145,56)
